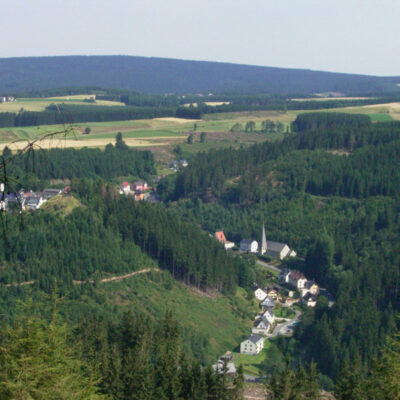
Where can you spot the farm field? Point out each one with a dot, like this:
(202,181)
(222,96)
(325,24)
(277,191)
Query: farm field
(166,133)
(40,104)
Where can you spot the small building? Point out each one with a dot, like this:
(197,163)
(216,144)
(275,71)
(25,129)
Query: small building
(125,188)
(268,304)
(260,294)
(272,293)
(310,300)
(289,302)
(252,345)
(221,366)
(261,327)
(140,185)
(249,245)
(309,287)
(34,202)
(227,356)
(49,193)
(269,316)
(284,276)
(297,279)
(220,236)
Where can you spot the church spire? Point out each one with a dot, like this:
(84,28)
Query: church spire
(263,248)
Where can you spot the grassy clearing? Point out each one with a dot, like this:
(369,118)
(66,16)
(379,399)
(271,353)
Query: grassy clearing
(251,364)
(61,205)
(218,319)
(39,104)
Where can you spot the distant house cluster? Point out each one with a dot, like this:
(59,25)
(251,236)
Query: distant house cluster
(139,190)
(268,247)
(25,201)
(176,165)
(263,323)
(308,289)
(6,99)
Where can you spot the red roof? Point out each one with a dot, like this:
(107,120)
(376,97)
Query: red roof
(220,236)
(125,184)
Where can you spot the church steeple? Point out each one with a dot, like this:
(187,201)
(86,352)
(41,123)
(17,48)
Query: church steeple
(263,247)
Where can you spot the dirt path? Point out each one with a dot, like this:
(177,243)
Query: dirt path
(117,278)
(105,280)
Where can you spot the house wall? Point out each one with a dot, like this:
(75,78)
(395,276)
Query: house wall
(259,331)
(247,347)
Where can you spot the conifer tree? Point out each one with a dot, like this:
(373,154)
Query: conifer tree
(37,363)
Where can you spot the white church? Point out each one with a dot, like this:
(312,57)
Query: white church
(275,249)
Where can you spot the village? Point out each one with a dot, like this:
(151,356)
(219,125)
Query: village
(22,200)
(281,302)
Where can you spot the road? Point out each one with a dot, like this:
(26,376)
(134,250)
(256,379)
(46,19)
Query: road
(284,328)
(269,266)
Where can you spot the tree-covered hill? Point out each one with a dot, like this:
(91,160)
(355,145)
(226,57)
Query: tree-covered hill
(158,75)
(331,191)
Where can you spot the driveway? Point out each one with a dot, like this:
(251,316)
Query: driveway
(286,328)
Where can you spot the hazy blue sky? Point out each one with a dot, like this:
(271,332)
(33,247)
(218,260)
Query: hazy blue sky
(360,36)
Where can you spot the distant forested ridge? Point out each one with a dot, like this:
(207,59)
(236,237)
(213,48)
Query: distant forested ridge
(159,75)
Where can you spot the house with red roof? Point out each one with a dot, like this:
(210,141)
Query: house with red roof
(220,236)
(125,188)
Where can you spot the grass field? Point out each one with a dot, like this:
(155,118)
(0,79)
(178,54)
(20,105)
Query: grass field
(251,364)
(39,104)
(166,133)
(216,318)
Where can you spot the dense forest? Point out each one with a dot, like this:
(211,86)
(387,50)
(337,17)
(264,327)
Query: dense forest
(37,166)
(158,75)
(330,190)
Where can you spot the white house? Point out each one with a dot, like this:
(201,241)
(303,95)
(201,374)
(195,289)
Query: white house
(310,300)
(267,304)
(261,327)
(260,294)
(220,236)
(297,279)
(34,202)
(269,316)
(252,345)
(140,185)
(309,287)
(249,245)
(125,188)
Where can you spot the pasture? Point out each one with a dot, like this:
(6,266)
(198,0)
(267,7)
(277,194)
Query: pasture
(166,133)
(40,104)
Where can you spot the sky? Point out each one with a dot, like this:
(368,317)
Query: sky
(354,36)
